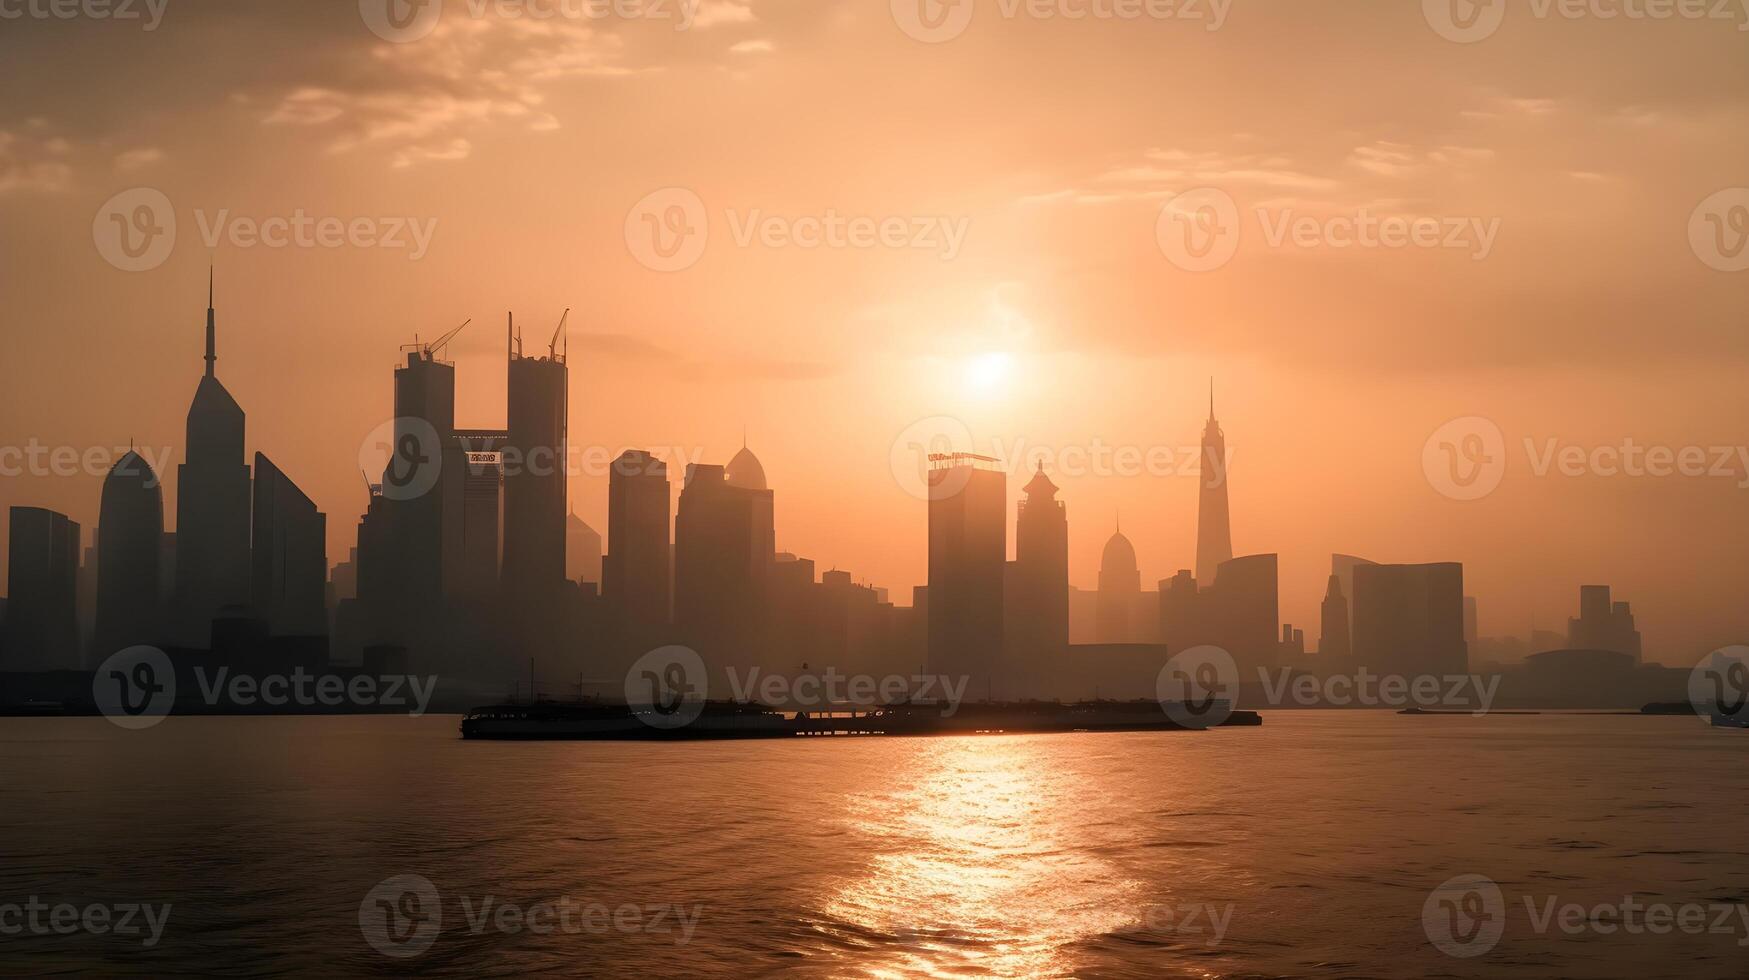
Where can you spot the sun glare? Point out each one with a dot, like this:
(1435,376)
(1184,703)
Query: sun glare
(988,374)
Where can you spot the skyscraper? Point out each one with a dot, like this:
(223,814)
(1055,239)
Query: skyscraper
(41,631)
(582,551)
(723,554)
(1214,535)
(1039,609)
(968,552)
(482,526)
(535,475)
(1603,624)
(131,521)
(1409,619)
(212,505)
(634,573)
(1333,638)
(1120,582)
(290,556)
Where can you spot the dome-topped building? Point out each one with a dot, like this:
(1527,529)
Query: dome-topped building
(1120,586)
(745,471)
(1119,558)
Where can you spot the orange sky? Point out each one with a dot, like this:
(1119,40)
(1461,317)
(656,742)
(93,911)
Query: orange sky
(1059,321)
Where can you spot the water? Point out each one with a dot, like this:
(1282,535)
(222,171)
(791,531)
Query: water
(1308,847)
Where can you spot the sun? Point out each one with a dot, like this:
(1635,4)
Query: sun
(988,374)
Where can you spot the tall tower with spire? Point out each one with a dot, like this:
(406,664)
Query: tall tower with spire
(212,504)
(1214,534)
(1038,604)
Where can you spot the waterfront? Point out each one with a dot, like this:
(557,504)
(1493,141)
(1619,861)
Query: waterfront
(1306,847)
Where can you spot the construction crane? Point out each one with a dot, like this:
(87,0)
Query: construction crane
(429,351)
(553,345)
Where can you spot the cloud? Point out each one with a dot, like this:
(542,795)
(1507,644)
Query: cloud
(423,102)
(759,46)
(714,12)
(131,160)
(29,164)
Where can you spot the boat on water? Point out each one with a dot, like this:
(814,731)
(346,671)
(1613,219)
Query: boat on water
(610,721)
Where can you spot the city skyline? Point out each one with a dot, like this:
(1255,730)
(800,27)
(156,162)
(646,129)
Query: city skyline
(214,399)
(711,600)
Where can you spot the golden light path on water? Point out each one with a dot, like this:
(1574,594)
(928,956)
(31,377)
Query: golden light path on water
(980,866)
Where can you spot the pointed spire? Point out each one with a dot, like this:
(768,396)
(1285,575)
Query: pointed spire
(1211,398)
(211,330)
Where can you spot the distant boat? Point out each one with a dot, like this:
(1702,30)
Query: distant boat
(1472,711)
(594,720)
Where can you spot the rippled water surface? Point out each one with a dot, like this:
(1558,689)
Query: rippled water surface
(1308,847)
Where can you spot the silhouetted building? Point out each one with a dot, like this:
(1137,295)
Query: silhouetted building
(1239,612)
(634,573)
(1334,646)
(1120,583)
(290,556)
(1602,624)
(1409,619)
(723,550)
(422,487)
(130,608)
(212,506)
(582,551)
(482,524)
(968,552)
(1343,566)
(1039,600)
(1471,618)
(41,630)
(1214,535)
(534,476)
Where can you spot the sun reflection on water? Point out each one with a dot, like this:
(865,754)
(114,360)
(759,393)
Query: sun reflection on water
(976,869)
